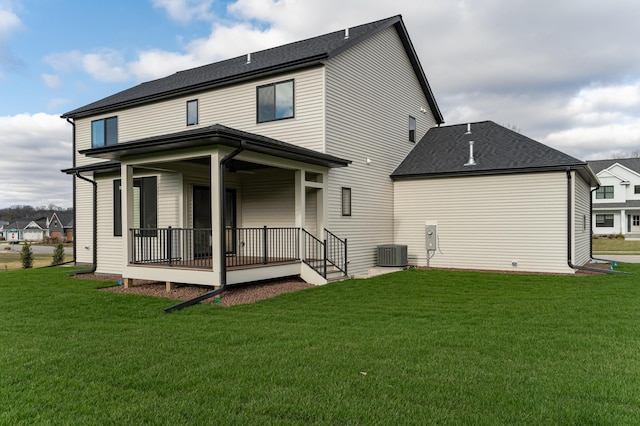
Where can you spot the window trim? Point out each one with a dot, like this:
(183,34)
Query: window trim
(274,85)
(105,131)
(346,204)
(197,111)
(148,207)
(412,129)
(605,220)
(603,192)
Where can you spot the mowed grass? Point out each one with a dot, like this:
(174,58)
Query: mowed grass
(615,245)
(11,260)
(415,347)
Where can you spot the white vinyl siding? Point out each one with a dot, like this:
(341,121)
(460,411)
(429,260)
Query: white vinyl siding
(486,222)
(233,106)
(582,217)
(371,91)
(83,225)
(110,248)
(268,198)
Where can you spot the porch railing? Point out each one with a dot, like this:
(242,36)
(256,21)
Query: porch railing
(186,247)
(261,246)
(192,248)
(326,256)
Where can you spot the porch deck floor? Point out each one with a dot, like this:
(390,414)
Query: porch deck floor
(234,263)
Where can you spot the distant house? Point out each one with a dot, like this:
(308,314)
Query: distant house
(616,203)
(60,226)
(3,224)
(27,229)
(496,200)
(304,159)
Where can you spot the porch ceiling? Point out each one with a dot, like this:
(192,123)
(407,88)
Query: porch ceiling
(215,135)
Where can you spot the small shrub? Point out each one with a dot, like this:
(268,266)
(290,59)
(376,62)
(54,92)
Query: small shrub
(26,255)
(58,254)
(619,237)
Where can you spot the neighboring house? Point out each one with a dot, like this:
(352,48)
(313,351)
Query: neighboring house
(3,224)
(266,165)
(27,229)
(509,203)
(616,203)
(60,226)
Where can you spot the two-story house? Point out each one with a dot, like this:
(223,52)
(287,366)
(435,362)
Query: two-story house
(616,203)
(271,164)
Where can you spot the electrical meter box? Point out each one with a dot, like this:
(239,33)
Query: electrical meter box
(431,236)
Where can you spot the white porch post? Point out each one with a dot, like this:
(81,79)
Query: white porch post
(300,200)
(216,219)
(623,221)
(126,204)
(323,202)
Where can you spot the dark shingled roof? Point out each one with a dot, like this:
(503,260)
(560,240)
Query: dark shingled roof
(279,59)
(608,206)
(599,165)
(443,151)
(206,136)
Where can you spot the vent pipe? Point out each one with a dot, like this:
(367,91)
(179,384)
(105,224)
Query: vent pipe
(346,33)
(472,161)
(468,129)
(248,58)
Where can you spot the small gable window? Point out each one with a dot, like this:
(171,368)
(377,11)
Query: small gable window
(104,132)
(604,192)
(346,201)
(192,112)
(275,101)
(412,129)
(636,189)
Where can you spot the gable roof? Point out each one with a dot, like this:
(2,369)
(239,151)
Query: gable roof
(288,57)
(632,164)
(444,151)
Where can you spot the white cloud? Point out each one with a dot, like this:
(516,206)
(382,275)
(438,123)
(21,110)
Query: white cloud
(185,11)
(51,81)
(9,22)
(37,146)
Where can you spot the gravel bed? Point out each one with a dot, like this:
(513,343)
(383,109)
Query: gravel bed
(234,294)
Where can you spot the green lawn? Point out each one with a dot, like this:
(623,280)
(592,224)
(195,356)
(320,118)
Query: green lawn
(415,347)
(615,245)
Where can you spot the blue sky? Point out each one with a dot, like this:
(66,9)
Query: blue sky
(564,73)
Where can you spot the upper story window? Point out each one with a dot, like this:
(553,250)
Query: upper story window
(192,112)
(104,132)
(412,129)
(275,101)
(604,192)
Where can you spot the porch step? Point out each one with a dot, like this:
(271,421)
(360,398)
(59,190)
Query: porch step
(333,273)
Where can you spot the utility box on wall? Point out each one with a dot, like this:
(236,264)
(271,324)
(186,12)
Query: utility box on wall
(431,236)
(392,255)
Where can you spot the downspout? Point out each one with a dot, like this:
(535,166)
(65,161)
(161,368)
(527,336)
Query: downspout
(73,146)
(222,240)
(569,232)
(95,227)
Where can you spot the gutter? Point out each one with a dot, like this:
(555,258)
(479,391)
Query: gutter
(95,226)
(222,240)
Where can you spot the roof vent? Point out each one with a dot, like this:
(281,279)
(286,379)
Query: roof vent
(346,33)
(472,161)
(468,129)
(248,58)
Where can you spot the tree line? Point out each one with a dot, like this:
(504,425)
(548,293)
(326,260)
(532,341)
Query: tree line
(30,212)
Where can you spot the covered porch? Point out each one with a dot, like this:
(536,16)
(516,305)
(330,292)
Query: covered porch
(232,207)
